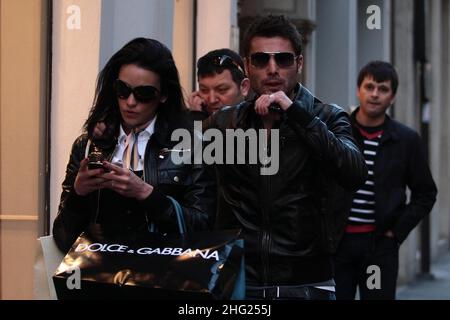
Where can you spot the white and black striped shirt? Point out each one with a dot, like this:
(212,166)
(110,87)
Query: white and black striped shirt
(362,212)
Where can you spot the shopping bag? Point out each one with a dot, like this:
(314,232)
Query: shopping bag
(201,265)
(48,258)
(112,264)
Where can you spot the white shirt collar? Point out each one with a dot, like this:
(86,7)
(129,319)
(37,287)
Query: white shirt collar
(147,132)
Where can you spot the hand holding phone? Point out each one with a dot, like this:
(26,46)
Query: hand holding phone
(196,102)
(275,108)
(95,165)
(95,159)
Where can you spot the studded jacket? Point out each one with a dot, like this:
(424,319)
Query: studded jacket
(190,184)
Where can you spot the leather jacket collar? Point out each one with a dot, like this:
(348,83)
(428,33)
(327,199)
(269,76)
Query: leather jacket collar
(390,131)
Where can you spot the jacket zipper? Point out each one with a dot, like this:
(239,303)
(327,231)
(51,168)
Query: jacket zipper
(150,179)
(265,244)
(265,239)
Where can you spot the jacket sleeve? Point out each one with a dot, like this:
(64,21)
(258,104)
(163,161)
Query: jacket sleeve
(198,202)
(197,197)
(74,210)
(329,135)
(423,191)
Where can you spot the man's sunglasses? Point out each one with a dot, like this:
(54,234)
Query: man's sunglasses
(226,61)
(283,59)
(142,94)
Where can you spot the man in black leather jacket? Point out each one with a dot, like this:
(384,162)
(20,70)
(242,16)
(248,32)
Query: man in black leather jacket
(284,216)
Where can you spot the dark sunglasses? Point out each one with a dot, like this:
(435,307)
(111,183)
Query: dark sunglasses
(142,94)
(283,59)
(226,61)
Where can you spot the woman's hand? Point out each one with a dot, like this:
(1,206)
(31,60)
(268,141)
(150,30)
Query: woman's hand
(125,182)
(87,180)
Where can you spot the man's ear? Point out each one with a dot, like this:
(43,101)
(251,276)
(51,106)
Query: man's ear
(299,64)
(246,65)
(392,102)
(245,86)
(163,99)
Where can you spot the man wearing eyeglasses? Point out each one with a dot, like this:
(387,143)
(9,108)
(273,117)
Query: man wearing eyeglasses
(222,82)
(286,218)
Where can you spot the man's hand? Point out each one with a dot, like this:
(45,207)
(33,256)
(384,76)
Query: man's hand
(389,234)
(99,129)
(125,182)
(196,102)
(264,101)
(87,180)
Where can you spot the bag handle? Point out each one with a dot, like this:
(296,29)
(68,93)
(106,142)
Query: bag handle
(180,217)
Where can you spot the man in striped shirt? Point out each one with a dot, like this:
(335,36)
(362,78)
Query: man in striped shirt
(380,219)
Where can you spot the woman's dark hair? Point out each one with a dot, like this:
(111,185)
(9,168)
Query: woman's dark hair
(148,54)
(272,26)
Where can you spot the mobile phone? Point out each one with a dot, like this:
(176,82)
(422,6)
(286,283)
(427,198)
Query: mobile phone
(275,108)
(95,165)
(204,106)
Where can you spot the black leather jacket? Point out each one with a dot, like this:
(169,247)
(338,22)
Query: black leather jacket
(282,215)
(191,185)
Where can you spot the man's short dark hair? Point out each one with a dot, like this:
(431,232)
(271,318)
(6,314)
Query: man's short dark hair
(208,65)
(380,71)
(270,27)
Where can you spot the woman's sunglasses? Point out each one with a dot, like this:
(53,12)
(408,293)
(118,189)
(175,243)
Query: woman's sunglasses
(142,94)
(282,59)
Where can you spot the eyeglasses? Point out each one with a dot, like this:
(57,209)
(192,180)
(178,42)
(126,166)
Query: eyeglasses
(226,61)
(283,59)
(142,94)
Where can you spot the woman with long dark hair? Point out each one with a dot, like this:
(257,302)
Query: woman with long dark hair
(123,178)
